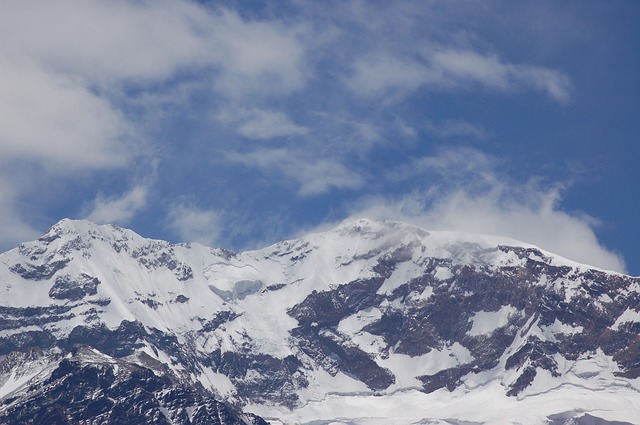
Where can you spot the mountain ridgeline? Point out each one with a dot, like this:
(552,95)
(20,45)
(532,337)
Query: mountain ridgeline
(100,325)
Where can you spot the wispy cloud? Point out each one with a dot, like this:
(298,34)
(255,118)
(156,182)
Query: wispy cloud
(451,166)
(193,224)
(260,124)
(311,176)
(468,67)
(118,209)
(256,58)
(383,73)
(473,196)
(377,75)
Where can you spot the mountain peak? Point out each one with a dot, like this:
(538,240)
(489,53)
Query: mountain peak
(84,232)
(68,226)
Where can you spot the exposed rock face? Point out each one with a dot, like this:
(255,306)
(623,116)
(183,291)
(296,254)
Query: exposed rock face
(87,387)
(377,307)
(74,288)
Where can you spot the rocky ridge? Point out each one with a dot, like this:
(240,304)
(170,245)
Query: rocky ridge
(367,308)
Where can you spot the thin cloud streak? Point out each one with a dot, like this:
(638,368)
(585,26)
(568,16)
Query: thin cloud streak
(448,69)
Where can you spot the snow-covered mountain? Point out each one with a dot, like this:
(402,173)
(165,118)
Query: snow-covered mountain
(371,322)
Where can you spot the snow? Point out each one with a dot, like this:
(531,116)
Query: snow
(443,273)
(629,315)
(487,405)
(425,294)
(354,323)
(321,383)
(403,273)
(407,368)
(13,382)
(8,332)
(21,375)
(485,322)
(219,382)
(320,262)
(557,327)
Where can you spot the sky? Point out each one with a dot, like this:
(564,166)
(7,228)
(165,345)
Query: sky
(237,124)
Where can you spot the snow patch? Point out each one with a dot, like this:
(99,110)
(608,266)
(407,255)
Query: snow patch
(407,368)
(443,273)
(485,322)
(557,327)
(629,315)
(403,273)
(354,323)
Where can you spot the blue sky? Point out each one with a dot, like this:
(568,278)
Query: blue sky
(238,124)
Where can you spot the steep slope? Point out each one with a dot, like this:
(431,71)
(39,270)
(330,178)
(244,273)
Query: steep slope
(88,387)
(367,312)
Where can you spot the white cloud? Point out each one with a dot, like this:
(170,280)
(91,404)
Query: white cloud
(62,66)
(118,210)
(383,73)
(462,165)
(345,133)
(55,121)
(376,75)
(538,221)
(461,67)
(255,57)
(108,42)
(195,225)
(474,197)
(313,176)
(103,41)
(12,226)
(260,124)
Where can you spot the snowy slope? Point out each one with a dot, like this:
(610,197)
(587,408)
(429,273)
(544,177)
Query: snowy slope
(350,323)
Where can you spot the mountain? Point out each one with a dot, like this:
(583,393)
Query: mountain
(369,323)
